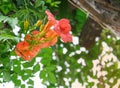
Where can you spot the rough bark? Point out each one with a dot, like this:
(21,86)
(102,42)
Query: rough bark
(104,12)
(90,31)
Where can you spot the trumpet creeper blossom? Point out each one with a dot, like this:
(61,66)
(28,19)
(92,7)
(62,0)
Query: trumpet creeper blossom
(27,51)
(46,37)
(62,27)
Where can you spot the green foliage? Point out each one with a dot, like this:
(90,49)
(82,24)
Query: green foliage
(6,75)
(6,6)
(36,68)
(80,18)
(53,3)
(73,64)
(51,78)
(7,36)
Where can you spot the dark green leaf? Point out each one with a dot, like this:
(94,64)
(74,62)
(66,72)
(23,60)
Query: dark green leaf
(93,53)
(30,82)
(30,86)
(39,3)
(4,47)
(23,86)
(29,64)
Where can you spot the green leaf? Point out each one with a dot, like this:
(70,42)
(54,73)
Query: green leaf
(28,64)
(14,77)
(30,86)
(17,68)
(46,54)
(36,68)
(4,47)
(45,51)
(28,71)
(80,17)
(11,21)
(51,68)
(6,6)
(30,81)
(51,78)
(23,86)
(6,75)
(46,61)
(93,53)
(17,82)
(118,42)
(2,18)
(43,74)
(20,2)
(8,36)
(49,1)
(55,4)
(39,3)
(16,62)
(24,77)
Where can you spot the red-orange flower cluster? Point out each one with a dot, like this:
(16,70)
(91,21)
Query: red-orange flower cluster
(61,27)
(36,40)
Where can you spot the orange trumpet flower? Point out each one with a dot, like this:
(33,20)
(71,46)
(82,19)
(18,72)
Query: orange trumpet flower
(46,37)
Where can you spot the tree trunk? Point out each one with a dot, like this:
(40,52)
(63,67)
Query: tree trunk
(90,31)
(104,12)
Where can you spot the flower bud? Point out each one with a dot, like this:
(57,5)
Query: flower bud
(26,24)
(39,22)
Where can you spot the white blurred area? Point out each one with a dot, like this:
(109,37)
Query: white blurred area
(105,56)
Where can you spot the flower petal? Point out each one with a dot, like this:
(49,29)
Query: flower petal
(66,37)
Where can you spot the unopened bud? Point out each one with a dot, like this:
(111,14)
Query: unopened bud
(26,24)
(39,22)
(42,27)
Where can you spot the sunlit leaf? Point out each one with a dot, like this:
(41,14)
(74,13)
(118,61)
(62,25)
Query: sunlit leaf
(42,74)
(51,68)
(7,36)
(36,68)
(51,77)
